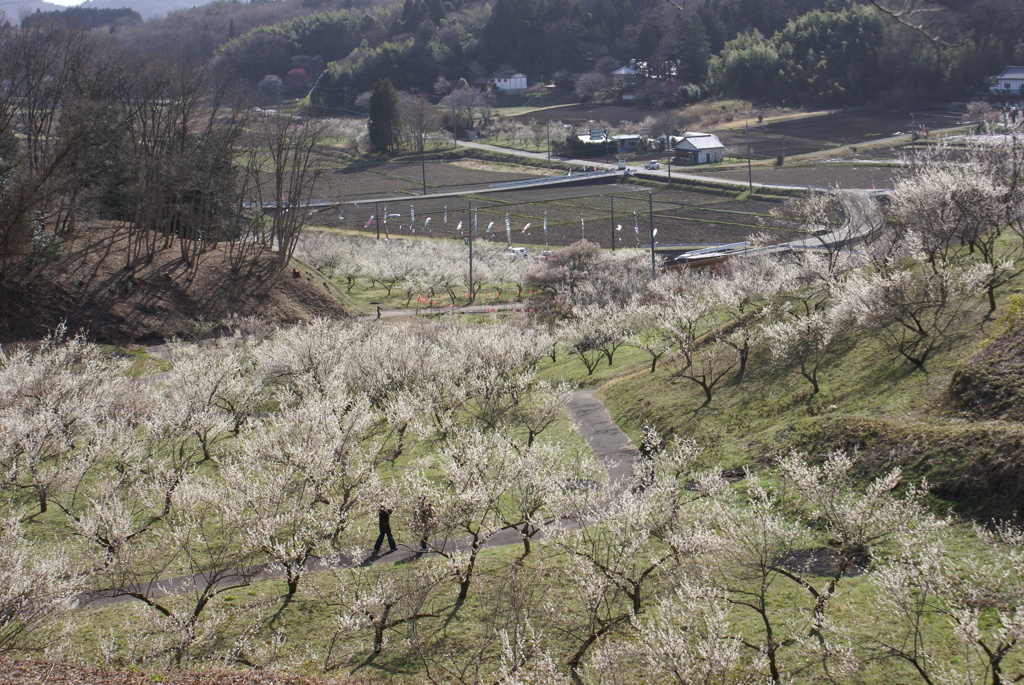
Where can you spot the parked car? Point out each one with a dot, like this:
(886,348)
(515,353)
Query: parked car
(515,252)
(653,164)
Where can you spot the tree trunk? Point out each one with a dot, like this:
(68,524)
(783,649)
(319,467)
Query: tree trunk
(526,539)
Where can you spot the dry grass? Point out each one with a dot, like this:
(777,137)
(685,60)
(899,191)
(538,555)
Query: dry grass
(90,289)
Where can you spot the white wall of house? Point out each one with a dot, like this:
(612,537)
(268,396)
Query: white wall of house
(510,83)
(1011,80)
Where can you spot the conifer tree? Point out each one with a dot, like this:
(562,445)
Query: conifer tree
(384,117)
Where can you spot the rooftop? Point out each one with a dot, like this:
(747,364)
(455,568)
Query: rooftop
(700,141)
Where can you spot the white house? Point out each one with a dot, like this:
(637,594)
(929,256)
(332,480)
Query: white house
(627,142)
(699,148)
(510,81)
(1010,81)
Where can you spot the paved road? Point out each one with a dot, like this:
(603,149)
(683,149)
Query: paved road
(675,174)
(610,445)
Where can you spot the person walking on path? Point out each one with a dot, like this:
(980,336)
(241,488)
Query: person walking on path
(384,526)
(651,445)
(425,518)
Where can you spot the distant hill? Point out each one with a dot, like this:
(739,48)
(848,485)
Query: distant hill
(86,18)
(147,8)
(14,10)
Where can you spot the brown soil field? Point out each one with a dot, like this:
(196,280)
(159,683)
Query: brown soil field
(681,216)
(613,114)
(407,177)
(404,177)
(91,291)
(689,222)
(790,136)
(811,134)
(838,174)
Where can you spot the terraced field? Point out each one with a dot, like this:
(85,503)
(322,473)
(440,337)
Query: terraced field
(574,212)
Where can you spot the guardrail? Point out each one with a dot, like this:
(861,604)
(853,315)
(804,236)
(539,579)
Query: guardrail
(568,178)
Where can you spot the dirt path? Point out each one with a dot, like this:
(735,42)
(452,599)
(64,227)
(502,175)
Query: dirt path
(610,445)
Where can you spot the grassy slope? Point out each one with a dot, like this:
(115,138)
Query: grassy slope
(869,402)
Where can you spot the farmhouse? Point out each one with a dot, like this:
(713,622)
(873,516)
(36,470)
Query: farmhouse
(627,142)
(510,81)
(1011,81)
(699,148)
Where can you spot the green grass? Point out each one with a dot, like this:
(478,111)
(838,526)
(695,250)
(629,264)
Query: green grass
(309,624)
(869,400)
(255,615)
(142,364)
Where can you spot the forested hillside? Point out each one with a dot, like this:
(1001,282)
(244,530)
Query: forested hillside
(772,52)
(786,52)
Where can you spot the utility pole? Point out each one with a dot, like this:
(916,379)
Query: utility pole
(750,175)
(913,138)
(376,213)
(547,129)
(612,198)
(650,218)
(423,164)
(469,220)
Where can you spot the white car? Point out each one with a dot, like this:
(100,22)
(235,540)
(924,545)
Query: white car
(653,164)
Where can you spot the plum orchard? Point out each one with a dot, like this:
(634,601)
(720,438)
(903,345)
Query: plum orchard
(272,452)
(429,268)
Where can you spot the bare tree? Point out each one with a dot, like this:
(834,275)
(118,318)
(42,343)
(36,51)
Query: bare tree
(49,110)
(467,105)
(180,127)
(419,119)
(288,144)
(589,85)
